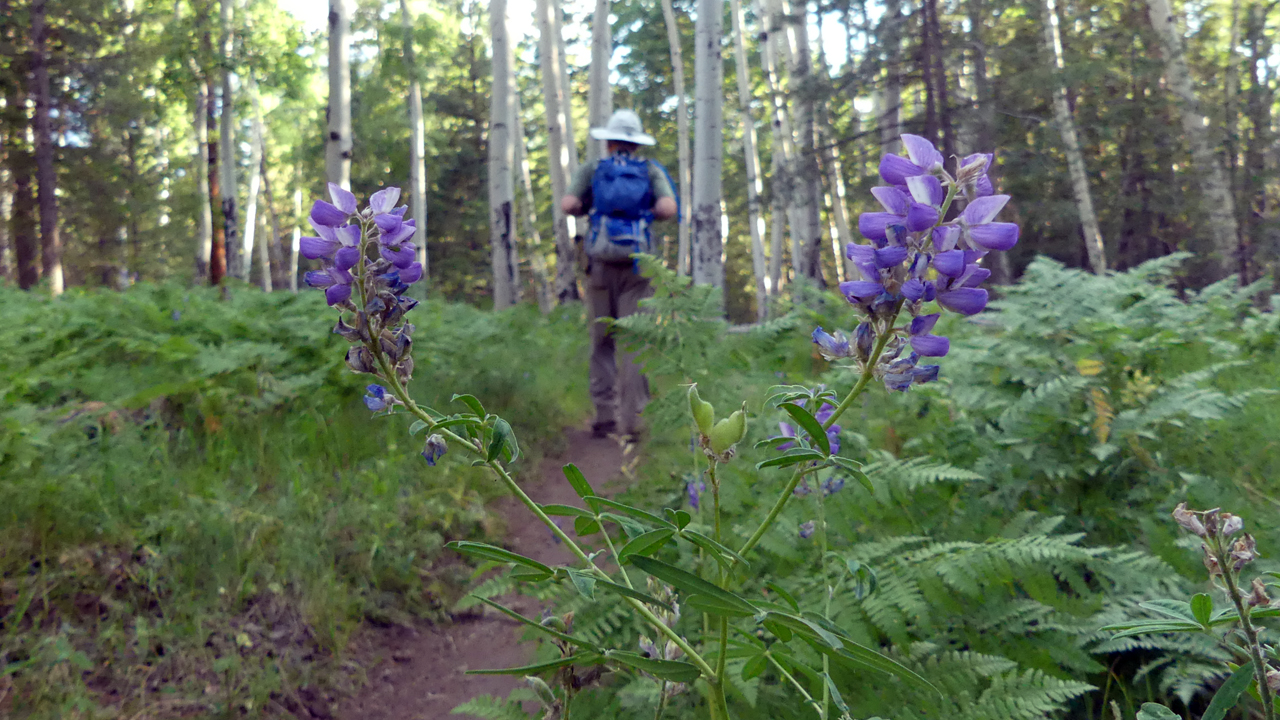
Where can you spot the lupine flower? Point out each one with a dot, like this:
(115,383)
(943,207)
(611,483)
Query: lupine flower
(922,159)
(923,342)
(695,490)
(336,284)
(802,488)
(972,178)
(434,448)
(978,230)
(377,399)
(832,347)
(806,530)
(831,486)
(1188,520)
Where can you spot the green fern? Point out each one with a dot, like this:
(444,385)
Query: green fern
(487,707)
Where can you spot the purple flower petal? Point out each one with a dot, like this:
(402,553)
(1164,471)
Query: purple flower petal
(384,200)
(323,213)
(966,301)
(925,373)
(890,257)
(872,225)
(860,290)
(892,199)
(913,289)
(994,236)
(927,189)
(314,248)
(318,279)
(337,293)
(975,276)
(950,263)
(922,152)
(921,217)
(930,345)
(923,324)
(400,211)
(983,187)
(402,233)
(348,235)
(346,258)
(388,223)
(945,237)
(895,169)
(342,199)
(411,274)
(401,258)
(970,159)
(984,209)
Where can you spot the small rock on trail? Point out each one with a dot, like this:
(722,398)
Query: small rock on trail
(422,674)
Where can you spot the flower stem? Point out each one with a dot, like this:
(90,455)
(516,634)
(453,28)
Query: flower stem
(794,682)
(662,701)
(1246,626)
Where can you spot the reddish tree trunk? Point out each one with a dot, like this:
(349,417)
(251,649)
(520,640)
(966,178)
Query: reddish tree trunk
(218,257)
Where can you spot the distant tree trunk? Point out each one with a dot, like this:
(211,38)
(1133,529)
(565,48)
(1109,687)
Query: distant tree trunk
(559,142)
(537,262)
(1261,139)
(337,158)
(296,243)
(781,150)
(842,236)
(752,160)
(890,109)
(218,258)
(708,147)
(1071,145)
(271,252)
(684,179)
(566,87)
(934,68)
(804,172)
(46,173)
(985,130)
(237,263)
(251,202)
(1216,203)
(22,218)
(204,224)
(6,213)
(276,259)
(502,234)
(417,149)
(1230,98)
(600,91)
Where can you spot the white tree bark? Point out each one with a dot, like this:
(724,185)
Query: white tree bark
(560,144)
(708,148)
(1217,202)
(889,107)
(557,32)
(600,92)
(752,158)
(502,235)
(204,224)
(338,145)
(260,182)
(537,262)
(841,234)
(685,178)
(780,154)
(804,173)
(1093,243)
(296,240)
(236,264)
(255,186)
(417,150)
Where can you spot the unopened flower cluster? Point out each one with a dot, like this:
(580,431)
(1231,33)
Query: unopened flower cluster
(915,257)
(1215,526)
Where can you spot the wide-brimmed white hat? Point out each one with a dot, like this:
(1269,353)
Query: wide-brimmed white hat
(623,126)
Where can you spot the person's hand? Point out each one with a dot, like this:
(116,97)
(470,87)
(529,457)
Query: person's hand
(665,208)
(571,205)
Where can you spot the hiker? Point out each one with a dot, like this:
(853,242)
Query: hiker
(624,194)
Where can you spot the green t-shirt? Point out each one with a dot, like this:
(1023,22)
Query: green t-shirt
(580,184)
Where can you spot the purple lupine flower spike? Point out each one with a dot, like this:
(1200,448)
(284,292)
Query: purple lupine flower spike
(342,199)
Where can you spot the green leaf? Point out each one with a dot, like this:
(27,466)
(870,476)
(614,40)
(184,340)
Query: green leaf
(817,434)
(806,628)
(1146,628)
(485,550)
(566,511)
(792,457)
(632,528)
(673,670)
(585,583)
(471,402)
(1155,711)
(631,593)
(854,469)
(598,502)
(782,632)
(1172,608)
(755,667)
(714,606)
(679,518)
(647,544)
(782,593)
(836,697)
(1202,609)
(842,647)
(416,427)
(540,667)
(457,420)
(1229,692)
(579,642)
(691,584)
(578,481)
(584,526)
(721,553)
(504,442)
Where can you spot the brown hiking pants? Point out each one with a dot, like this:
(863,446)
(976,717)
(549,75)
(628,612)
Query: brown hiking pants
(618,389)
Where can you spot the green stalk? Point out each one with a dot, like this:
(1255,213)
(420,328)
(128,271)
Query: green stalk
(794,682)
(662,701)
(723,655)
(1246,626)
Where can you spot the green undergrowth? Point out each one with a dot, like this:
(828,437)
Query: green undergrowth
(196,508)
(1018,505)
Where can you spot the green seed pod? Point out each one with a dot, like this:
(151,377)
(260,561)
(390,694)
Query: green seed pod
(703,414)
(543,691)
(728,431)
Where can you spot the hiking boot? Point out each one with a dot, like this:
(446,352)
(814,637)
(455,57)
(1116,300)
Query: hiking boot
(603,429)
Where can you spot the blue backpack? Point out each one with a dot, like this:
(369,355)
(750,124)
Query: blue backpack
(622,209)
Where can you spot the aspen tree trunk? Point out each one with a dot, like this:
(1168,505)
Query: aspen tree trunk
(804,172)
(271,252)
(685,178)
(6,210)
(752,157)
(46,173)
(502,235)
(417,149)
(275,249)
(255,187)
(296,243)
(237,264)
(600,92)
(1217,202)
(841,234)
(559,144)
(538,263)
(1071,145)
(218,258)
(890,109)
(985,132)
(204,241)
(1231,119)
(337,155)
(566,89)
(708,144)
(780,152)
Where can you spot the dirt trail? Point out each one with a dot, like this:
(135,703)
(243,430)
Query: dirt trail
(422,674)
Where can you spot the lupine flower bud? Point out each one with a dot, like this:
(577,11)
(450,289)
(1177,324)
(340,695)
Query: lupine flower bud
(1273,680)
(351,334)
(1188,520)
(806,530)
(704,414)
(378,399)
(360,360)
(1212,523)
(1258,594)
(1231,524)
(647,648)
(865,339)
(543,691)
(832,486)
(1243,551)
(434,448)
(728,431)
(1211,562)
(404,370)
(831,347)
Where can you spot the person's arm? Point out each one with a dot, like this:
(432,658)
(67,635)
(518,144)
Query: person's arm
(664,208)
(573,203)
(664,196)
